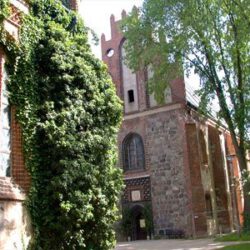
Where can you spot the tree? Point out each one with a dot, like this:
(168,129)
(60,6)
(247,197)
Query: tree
(69,115)
(210,36)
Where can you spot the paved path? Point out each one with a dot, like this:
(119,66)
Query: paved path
(201,244)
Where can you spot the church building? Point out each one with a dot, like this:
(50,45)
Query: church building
(180,169)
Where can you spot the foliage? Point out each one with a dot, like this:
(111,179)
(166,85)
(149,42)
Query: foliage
(234,237)
(126,222)
(147,213)
(245,180)
(209,36)
(237,247)
(69,114)
(127,219)
(4,7)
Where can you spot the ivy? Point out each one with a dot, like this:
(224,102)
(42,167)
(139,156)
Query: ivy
(69,114)
(4,9)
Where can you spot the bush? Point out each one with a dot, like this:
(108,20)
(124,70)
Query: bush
(69,114)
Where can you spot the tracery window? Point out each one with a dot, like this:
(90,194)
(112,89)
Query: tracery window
(133,152)
(4,129)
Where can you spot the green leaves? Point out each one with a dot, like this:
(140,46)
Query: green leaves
(4,9)
(69,114)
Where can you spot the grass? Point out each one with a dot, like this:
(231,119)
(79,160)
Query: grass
(234,237)
(238,247)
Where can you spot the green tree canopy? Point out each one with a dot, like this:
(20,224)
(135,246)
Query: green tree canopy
(210,36)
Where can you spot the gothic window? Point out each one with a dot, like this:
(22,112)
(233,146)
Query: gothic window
(133,153)
(4,130)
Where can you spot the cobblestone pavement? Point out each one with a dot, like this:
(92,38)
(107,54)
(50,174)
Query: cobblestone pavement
(201,244)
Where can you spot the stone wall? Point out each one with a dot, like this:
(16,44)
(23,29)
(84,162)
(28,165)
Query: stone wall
(163,137)
(15,230)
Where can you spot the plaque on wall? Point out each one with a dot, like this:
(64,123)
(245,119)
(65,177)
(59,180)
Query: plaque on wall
(136,195)
(142,223)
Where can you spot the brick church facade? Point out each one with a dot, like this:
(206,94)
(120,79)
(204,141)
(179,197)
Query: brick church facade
(15,230)
(175,161)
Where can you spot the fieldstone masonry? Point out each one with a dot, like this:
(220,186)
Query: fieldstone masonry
(169,197)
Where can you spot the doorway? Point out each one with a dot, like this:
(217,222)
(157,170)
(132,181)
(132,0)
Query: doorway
(139,231)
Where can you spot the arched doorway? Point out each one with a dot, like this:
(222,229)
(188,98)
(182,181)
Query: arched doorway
(139,231)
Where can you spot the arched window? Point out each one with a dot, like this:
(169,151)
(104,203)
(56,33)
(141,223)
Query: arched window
(133,152)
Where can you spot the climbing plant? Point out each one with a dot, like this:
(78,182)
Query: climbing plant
(69,114)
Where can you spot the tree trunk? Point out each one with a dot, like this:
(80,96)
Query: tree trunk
(240,153)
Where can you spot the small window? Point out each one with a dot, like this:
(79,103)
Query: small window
(131,97)
(110,52)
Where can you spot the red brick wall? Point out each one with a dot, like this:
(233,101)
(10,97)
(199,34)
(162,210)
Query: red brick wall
(198,195)
(115,69)
(74,4)
(1,70)
(113,63)
(19,172)
(219,178)
(236,172)
(137,126)
(178,90)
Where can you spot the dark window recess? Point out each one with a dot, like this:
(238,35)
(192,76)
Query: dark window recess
(131,97)
(209,206)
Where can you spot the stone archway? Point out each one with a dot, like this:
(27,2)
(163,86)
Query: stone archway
(139,231)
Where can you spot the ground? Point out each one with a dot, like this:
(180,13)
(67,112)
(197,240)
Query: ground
(201,244)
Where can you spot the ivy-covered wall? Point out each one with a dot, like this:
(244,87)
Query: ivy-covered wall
(69,115)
